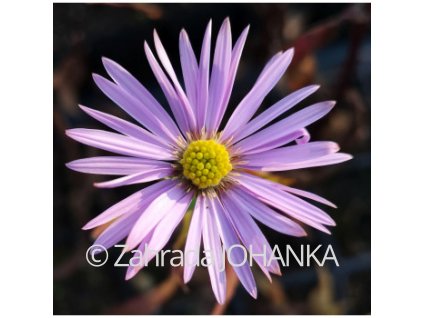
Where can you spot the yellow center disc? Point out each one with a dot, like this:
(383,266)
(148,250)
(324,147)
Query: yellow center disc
(205,163)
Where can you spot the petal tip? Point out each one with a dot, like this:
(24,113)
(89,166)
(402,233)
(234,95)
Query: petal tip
(106,60)
(130,274)
(302,233)
(315,87)
(85,108)
(183,34)
(186,278)
(348,156)
(97,78)
(69,132)
(276,270)
(87,226)
(290,51)
(254,293)
(156,37)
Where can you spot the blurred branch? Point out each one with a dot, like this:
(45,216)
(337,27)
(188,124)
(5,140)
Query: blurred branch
(321,34)
(152,11)
(150,302)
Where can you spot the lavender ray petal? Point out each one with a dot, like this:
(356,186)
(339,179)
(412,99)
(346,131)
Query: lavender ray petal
(213,247)
(193,241)
(163,231)
(203,79)
(119,144)
(268,78)
(288,203)
(125,127)
(236,57)
(229,239)
(291,154)
(136,108)
(154,213)
(331,159)
(308,195)
(305,138)
(137,201)
(140,177)
(161,52)
(130,84)
(135,266)
(250,234)
(267,215)
(219,76)
(278,142)
(117,231)
(189,68)
(115,165)
(276,110)
(287,125)
(176,99)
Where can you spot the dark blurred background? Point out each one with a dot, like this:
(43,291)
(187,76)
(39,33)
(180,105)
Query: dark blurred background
(332,45)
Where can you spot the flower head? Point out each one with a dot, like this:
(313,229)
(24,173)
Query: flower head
(196,159)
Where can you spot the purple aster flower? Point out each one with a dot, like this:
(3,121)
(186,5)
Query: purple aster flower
(194,161)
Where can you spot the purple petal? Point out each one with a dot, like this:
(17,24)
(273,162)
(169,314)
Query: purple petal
(119,144)
(305,138)
(150,105)
(288,203)
(268,78)
(281,141)
(291,154)
(275,110)
(137,201)
(331,159)
(140,177)
(138,109)
(236,57)
(307,195)
(118,230)
(250,234)
(287,125)
(219,76)
(161,206)
(134,269)
(265,214)
(192,245)
(213,247)
(203,79)
(163,231)
(176,99)
(189,67)
(125,127)
(114,165)
(229,239)
(161,52)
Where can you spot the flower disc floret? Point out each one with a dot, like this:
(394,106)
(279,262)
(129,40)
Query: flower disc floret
(205,163)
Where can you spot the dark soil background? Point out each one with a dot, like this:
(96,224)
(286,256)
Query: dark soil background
(332,43)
